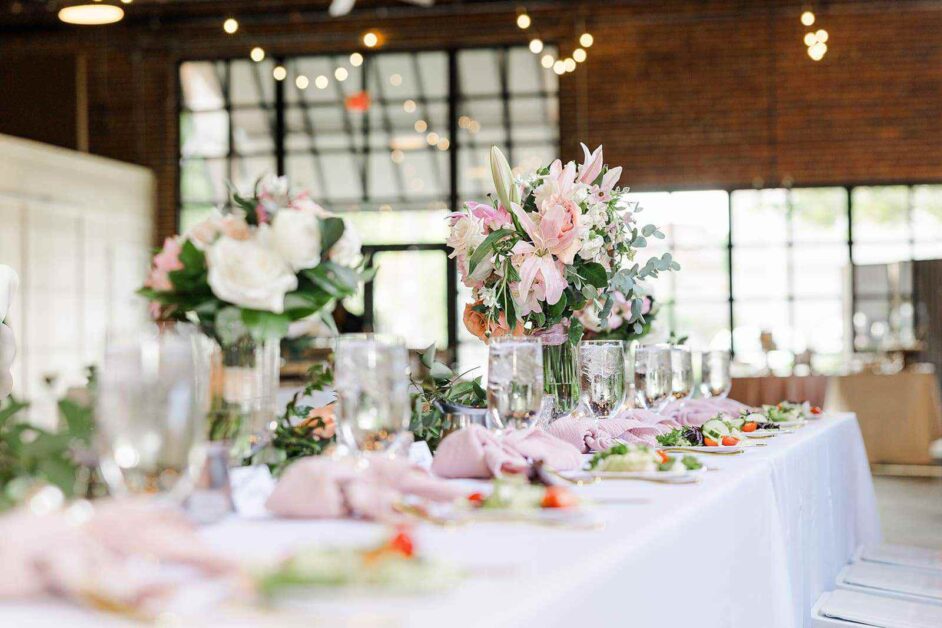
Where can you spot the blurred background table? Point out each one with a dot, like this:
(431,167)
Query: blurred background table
(899,413)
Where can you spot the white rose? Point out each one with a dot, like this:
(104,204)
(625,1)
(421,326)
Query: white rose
(466,234)
(346,251)
(591,247)
(250,274)
(296,236)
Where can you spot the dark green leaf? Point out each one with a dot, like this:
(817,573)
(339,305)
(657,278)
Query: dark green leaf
(266,325)
(482,249)
(78,418)
(556,309)
(331,231)
(595,274)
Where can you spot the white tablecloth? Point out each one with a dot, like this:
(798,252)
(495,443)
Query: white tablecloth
(752,545)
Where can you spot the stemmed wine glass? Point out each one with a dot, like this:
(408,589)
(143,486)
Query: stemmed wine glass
(602,376)
(514,382)
(150,410)
(371,375)
(681,374)
(715,379)
(653,374)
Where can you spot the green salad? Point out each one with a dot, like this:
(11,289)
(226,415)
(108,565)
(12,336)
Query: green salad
(639,458)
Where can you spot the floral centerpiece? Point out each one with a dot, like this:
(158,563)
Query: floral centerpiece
(243,276)
(552,243)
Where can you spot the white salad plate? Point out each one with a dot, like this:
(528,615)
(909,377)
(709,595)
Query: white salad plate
(668,477)
(719,449)
(767,433)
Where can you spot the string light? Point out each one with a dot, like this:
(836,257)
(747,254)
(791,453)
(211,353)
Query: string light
(579,55)
(395,80)
(257,55)
(397,156)
(432,138)
(443,143)
(807,18)
(523,21)
(301,81)
(822,35)
(547,61)
(231,25)
(810,39)
(279,72)
(420,126)
(536,46)
(321,82)
(408,106)
(341,74)
(356,59)
(570,64)
(559,67)
(370,39)
(817,51)
(815,41)
(586,40)
(474,127)
(464,122)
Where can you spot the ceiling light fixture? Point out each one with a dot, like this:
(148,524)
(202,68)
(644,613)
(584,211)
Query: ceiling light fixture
(91,14)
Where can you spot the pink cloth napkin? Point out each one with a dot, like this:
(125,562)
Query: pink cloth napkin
(116,551)
(325,488)
(631,426)
(697,411)
(475,452)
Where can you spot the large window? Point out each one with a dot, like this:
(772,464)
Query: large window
(393,141)
(768,272)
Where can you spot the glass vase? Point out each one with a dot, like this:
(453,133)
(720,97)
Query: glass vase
(243,377)
(560,379)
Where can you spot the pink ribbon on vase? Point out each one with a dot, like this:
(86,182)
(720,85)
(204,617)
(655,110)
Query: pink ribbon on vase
(554,336)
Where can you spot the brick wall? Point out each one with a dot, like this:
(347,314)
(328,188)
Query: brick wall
(697,94)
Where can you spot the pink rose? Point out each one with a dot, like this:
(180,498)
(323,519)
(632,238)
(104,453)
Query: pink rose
(164,263)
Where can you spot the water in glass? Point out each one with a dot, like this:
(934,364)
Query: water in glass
(371,375)
(602,376)
(514,382)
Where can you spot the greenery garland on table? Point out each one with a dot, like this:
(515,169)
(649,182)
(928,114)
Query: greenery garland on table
(32,457)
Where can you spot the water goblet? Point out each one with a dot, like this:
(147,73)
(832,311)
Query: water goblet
(151,411)
(681,374)
(715,379)
(602,376)
(652,367)
(514,382)
(371,377)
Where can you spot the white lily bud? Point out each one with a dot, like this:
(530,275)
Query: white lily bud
(503,179)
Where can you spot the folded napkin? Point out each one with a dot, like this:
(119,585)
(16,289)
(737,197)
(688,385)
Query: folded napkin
(475,452)
(631,426)
(697,411)
(131,554)
(326,488)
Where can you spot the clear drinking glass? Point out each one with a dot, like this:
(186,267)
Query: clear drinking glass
(514,381)
(715,380)
(602,376)
(151,411)
(371,376)
(652,376)
(682,373)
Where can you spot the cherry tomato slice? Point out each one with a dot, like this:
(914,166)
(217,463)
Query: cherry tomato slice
(709,442)
(662,456)
(751,426)
(558,497)
(729,441)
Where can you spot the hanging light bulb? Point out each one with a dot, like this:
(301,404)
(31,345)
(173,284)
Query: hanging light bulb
(547,61)
(579,55)
(91,14)
(523,21)
(279,73)
(257,55)
(807,18)
(231,25)
(586,40)
(536,46)
(356,59)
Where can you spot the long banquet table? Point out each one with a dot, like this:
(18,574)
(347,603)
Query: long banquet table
(754,544)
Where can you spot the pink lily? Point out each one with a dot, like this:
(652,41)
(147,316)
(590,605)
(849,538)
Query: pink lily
(493,218)
(591,166)
(539,265)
